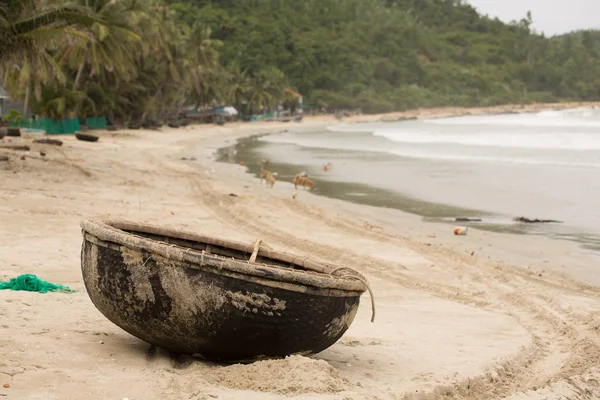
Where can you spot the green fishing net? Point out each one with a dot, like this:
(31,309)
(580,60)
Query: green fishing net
(32,283)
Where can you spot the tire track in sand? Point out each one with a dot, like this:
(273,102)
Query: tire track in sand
(508,378)
(553,337)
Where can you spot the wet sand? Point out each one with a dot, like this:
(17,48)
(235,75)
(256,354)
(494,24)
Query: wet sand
(248,151)
(482,316)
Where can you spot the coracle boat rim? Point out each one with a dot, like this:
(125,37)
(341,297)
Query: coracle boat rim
(319,275)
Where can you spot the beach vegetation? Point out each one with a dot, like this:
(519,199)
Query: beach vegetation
(141,60)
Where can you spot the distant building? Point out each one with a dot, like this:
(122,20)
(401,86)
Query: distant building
(5,103)
(3,100)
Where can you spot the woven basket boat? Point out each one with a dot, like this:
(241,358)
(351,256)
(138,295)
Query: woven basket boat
(86,137)
(215,299)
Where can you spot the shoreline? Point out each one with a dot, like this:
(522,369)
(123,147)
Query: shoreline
(439,232)
(430,285)
(246,149)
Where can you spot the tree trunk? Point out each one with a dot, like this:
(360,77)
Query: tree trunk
(153,100)
(161,111)
(79,73)
(27,95)
(174,102)
(181,104)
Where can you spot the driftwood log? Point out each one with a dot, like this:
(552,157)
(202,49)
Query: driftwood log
(535,220)
(53,142)
(17,148)
(465,219)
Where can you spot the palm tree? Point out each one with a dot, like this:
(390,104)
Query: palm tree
(27,25)
(56,101)
(165,39)
(114,40)
(28,30)
(267,89)
(129,43)
(238,86)
(201,60)
(212,89)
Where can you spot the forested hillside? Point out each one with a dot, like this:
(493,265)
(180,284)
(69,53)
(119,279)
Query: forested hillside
(136,60)
(397,54)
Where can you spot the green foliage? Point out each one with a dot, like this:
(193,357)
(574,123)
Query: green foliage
(138,60)
(381,55)
(13,117)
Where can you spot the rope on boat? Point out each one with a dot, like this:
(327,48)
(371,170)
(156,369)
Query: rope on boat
(355,275)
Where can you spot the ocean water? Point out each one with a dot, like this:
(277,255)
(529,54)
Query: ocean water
(544,165)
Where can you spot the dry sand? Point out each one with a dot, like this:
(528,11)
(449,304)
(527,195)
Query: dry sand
(501,323)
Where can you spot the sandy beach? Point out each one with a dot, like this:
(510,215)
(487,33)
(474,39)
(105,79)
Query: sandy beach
(482,316)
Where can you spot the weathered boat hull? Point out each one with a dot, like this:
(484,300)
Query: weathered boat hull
(86,137)
(212,310)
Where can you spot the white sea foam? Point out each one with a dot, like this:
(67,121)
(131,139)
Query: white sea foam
(578,117)
(493,159)
(424,154)
(518,139)
(479,139)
